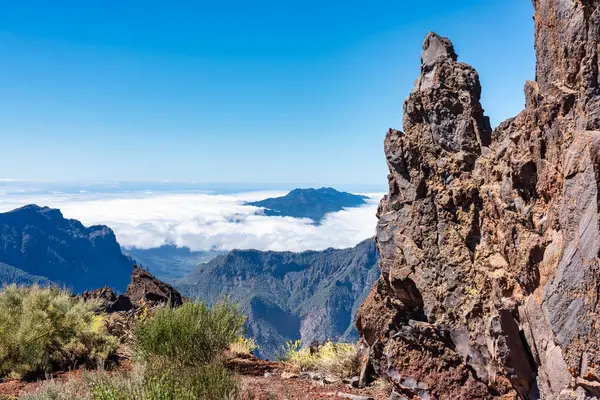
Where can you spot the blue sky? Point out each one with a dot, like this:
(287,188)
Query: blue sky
(233,91)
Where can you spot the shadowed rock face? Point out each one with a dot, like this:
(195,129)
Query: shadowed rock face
(40,242)
(145,289)
(489,242)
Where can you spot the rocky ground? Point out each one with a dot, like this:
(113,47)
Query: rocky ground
(259,380)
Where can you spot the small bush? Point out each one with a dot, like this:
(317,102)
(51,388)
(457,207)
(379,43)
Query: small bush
(190,335)
(56,390)
(340,360)
(43,329)
(243,346)
(292,350)
(207,382)
(159,382)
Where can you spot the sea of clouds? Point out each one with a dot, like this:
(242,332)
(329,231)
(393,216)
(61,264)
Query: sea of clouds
(202,221)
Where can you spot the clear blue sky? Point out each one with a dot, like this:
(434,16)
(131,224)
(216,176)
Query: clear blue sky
(233,91)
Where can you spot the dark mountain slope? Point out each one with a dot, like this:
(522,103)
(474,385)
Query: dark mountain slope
(287,296)
(310,203)
(9,274)
(40,241)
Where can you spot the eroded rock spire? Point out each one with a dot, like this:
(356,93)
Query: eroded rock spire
(490,281)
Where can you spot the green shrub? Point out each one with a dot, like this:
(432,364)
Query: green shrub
(340,360)
(157,382)
(42,329)
(161,382)
(190,335)
(243,346)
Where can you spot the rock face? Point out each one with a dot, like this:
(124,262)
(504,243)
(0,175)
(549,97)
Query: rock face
(489,241)
(145,289)
(110,301)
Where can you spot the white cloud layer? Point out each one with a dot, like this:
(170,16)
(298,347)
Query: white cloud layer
(203,221)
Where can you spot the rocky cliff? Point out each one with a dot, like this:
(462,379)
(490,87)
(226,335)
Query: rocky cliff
(489,241)
(39,242)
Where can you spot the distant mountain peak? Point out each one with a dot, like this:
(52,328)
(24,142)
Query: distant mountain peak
(310,203)
(34,208)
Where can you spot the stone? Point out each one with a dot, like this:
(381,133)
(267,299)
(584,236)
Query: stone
(288,375)
(110,301)
(350,396)
(145,289)
(592,387)
(489,241)
(370,368)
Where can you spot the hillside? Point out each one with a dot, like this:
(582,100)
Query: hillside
(9,274)
(313,295)
(310,203)
(39,242)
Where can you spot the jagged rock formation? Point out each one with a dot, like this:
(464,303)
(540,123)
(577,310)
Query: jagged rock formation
(111,302)
(489,241)
(145,289)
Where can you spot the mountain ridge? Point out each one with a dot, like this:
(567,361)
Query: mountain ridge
(312,295)
(40,242)
(309,203)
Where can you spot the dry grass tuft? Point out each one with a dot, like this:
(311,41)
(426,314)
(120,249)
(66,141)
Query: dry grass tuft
(340,360)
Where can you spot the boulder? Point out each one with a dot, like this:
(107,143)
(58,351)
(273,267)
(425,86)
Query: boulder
(110,301)
(146,290)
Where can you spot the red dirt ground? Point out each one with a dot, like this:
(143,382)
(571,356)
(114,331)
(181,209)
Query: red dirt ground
(255,385)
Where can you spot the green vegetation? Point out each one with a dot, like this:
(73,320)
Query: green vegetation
(56,390)
(177,358)
(189,335)
(340,360)
(178,352)
(260,283)
(211,381)
(46,328)
(243,346)
(161,382)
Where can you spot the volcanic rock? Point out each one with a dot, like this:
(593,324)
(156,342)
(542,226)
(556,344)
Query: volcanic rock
(110,301)
(489,242)
(145,289)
